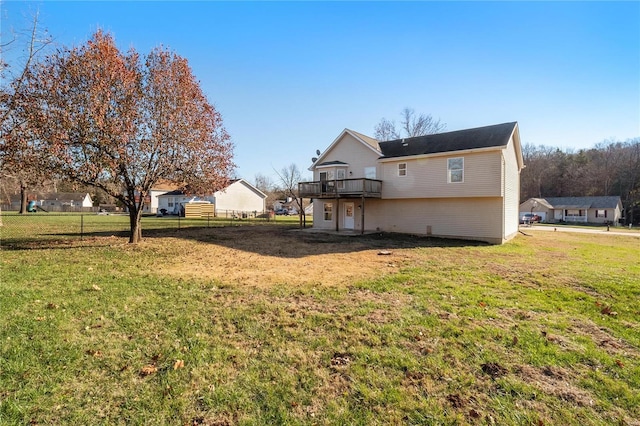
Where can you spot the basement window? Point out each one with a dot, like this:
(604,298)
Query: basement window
(328,211)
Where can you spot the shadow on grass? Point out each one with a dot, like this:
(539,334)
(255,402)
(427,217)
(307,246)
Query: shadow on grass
(292,242)
(286,241)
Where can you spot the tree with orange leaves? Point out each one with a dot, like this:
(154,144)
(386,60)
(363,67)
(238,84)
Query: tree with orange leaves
(121,123)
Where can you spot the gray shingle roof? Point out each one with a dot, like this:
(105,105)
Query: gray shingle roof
(332,163)
(608,202)
(460,140)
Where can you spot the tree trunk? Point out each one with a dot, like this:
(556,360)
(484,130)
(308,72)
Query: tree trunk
(23,199)
(134,221)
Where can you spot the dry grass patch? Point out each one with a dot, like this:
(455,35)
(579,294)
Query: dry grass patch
(264,257)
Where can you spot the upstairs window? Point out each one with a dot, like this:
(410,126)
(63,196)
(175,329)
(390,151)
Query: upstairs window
(370,172)
(402,169)
(341,173)
(455,170)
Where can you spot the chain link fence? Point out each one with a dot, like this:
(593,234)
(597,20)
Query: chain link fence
(46,228)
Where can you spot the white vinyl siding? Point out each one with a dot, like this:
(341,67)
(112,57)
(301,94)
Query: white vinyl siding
(427,177)
(511,191)
(239,197)
(351,151)
(466,218)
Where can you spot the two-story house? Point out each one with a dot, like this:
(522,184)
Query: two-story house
(462,184)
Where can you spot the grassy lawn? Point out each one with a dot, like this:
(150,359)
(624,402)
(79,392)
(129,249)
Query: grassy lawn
(271,325)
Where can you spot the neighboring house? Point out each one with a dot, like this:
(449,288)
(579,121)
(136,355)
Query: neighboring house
(59,201)
(239,196)
(151,203)
(462,184)
(575,209)
(309,210)
(173,202)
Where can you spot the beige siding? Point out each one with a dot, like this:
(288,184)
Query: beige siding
(511,186)
(427,177)
(239,197)
(466,218)
(318,215)
(355,153)
(612,216)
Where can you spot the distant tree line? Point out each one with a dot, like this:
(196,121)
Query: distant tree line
(609,168)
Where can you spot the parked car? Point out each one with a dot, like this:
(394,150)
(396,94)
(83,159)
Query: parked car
(282,212)
(530,218)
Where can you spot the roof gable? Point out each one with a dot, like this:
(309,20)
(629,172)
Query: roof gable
(247,184)
(461,140)
(179,192)
(367,141)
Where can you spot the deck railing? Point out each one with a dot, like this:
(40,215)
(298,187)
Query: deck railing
(370,188)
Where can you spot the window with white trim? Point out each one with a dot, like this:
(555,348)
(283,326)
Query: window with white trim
(601,213)
(455,170)
(402,169)
(328,211)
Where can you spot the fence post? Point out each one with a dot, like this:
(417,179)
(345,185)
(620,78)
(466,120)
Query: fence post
(81,226)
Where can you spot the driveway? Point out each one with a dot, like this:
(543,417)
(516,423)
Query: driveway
(561,228)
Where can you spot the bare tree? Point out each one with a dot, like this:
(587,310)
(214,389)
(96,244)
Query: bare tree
(263,183)
(289,178)
(411,125)
(385,130)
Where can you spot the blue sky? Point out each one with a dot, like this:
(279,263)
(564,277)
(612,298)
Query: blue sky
(288,77)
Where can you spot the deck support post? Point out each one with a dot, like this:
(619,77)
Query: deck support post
(337,214)
(362,216)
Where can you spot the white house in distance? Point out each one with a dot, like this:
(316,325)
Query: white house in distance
(599,209)
(463,184)
(59,201)
(239,196)
(151,203)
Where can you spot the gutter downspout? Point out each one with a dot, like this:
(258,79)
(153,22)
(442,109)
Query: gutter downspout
(504,196)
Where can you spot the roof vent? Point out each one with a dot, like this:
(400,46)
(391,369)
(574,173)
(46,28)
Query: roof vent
(404,143)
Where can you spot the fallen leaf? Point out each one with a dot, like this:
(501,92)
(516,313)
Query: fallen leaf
(619,363)
(148,370)
(607,311)
(178,364)
(96,288)
(94,353)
